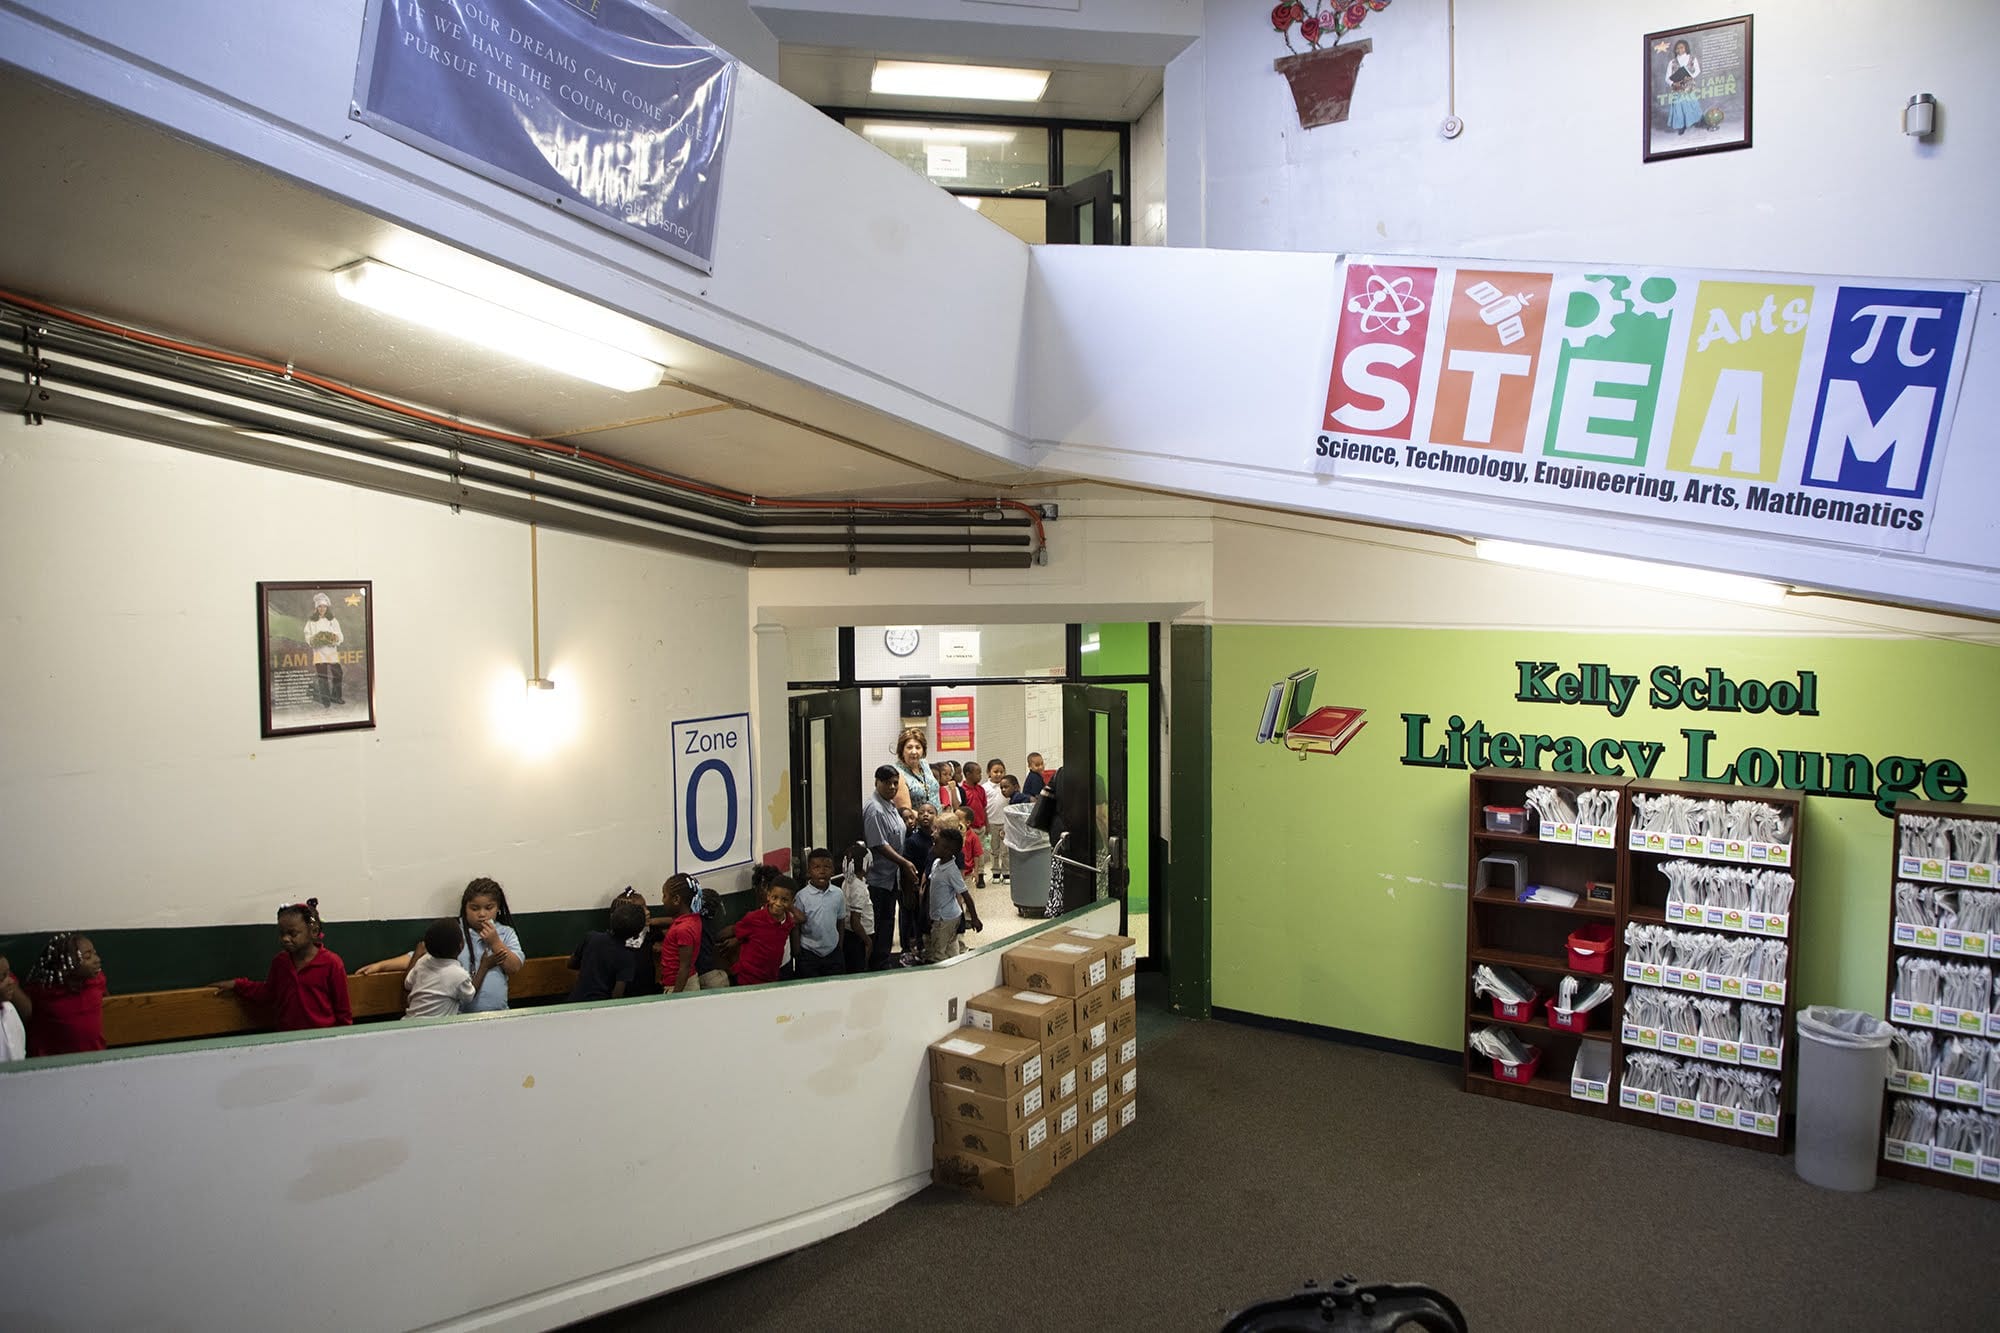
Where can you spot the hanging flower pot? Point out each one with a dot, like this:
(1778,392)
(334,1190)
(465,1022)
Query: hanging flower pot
(1323,81)
(1322,77)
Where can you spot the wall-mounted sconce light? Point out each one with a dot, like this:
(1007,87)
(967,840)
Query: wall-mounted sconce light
(1920,116)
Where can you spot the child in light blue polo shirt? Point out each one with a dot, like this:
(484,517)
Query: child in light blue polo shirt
(946,894)
(823,908)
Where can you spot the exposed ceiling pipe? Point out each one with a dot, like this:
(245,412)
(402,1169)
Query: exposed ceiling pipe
(92,378)
(218,441)
(297,398)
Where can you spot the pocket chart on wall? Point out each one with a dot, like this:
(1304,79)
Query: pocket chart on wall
(1800,407)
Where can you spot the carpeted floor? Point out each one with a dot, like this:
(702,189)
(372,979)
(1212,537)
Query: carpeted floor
(1261,1159)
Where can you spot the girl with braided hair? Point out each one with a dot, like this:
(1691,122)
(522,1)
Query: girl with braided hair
(307,984)
(65,998)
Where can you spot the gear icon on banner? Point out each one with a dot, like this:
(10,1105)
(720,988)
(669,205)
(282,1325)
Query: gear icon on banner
(1645,305)
(1609,306)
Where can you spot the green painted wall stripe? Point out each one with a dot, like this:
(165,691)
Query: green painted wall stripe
(171,958)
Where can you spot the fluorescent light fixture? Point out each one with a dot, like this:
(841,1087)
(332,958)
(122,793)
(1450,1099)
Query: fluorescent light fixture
(404,295)
(971,201)
(978,83)
(1615,569)
(893,129)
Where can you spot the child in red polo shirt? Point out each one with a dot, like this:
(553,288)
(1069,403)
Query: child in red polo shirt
(63,1000)
(764,933)
(680,948)
(307,984)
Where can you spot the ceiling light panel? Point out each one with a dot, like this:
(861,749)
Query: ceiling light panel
(474,319)
(975,83)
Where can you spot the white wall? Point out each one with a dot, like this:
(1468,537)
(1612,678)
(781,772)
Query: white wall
(1205,371)
(138,790)
(1149,175)
(517,1170)
(1122,32)
(1549,165)
(833,264)
(731,25)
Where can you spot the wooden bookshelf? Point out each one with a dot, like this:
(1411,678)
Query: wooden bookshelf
(1530,938)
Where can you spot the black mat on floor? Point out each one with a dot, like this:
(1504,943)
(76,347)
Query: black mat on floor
(1263,1158)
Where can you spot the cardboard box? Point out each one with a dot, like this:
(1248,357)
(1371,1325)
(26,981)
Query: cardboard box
(1121,951)
(1060,1057)
(1124,1020)
(1094,1100)
(1123,1053)
(1095,1068)
(1123,1112)
(1062,966)
(1092,1131)
(1005,1146)
(1064,1155)
(1125,1082)
(1093,1007)
(1124,988)
(997,1181)
(989,1062)
(1021,1013)
(1063,1118)
(1062,1088)
(951,1102)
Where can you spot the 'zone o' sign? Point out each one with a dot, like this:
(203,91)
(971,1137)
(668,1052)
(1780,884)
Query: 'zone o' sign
(714,798)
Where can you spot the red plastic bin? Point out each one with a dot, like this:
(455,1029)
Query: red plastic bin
(1576,1020)
(1521,1073)
(1590,948)
(1519,1013)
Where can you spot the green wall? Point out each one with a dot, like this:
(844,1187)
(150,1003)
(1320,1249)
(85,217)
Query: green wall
(1338,893)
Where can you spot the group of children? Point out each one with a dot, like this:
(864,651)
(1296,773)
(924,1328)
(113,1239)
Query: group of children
(908,876)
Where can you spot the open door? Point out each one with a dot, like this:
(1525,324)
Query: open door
(828,786)
(1090,791)
(1080,214)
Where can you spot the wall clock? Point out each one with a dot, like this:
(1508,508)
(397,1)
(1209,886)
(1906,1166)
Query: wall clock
(901,640)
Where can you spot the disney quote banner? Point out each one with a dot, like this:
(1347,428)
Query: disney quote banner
(608,109)
(1801,407)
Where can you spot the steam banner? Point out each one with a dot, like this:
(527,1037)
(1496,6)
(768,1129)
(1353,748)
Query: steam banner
(1799,407)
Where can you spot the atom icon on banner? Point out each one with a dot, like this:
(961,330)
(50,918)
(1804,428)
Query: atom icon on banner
(1389,303)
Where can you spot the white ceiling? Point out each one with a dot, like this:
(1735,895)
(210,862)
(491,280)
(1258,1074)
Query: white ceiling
(110,217)
(829,76)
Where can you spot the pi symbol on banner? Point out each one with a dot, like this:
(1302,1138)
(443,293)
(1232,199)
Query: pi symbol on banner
(1386,304)
(713,794)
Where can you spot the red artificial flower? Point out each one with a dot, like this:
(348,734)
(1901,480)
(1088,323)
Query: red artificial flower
(1298,11)
(1378,5)
(1281,17)
(1310,31)
(1355,13)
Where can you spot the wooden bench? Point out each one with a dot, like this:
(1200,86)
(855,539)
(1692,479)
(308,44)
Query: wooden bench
(179,1015)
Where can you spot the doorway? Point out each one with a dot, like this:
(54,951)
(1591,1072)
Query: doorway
(1083,699)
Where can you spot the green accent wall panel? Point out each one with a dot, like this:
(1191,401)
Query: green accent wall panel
(1337,887)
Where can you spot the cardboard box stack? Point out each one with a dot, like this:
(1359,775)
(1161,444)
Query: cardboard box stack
(1044,1069)
(992,1128)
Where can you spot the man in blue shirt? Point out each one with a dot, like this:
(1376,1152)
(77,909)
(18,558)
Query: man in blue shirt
(888,868)
(823,907)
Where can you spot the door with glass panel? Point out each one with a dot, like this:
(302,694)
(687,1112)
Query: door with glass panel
(1080,214)
(1091,798)
(828,785)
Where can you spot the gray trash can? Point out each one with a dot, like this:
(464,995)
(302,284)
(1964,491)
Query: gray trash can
(1028,865)
(1843,1061)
